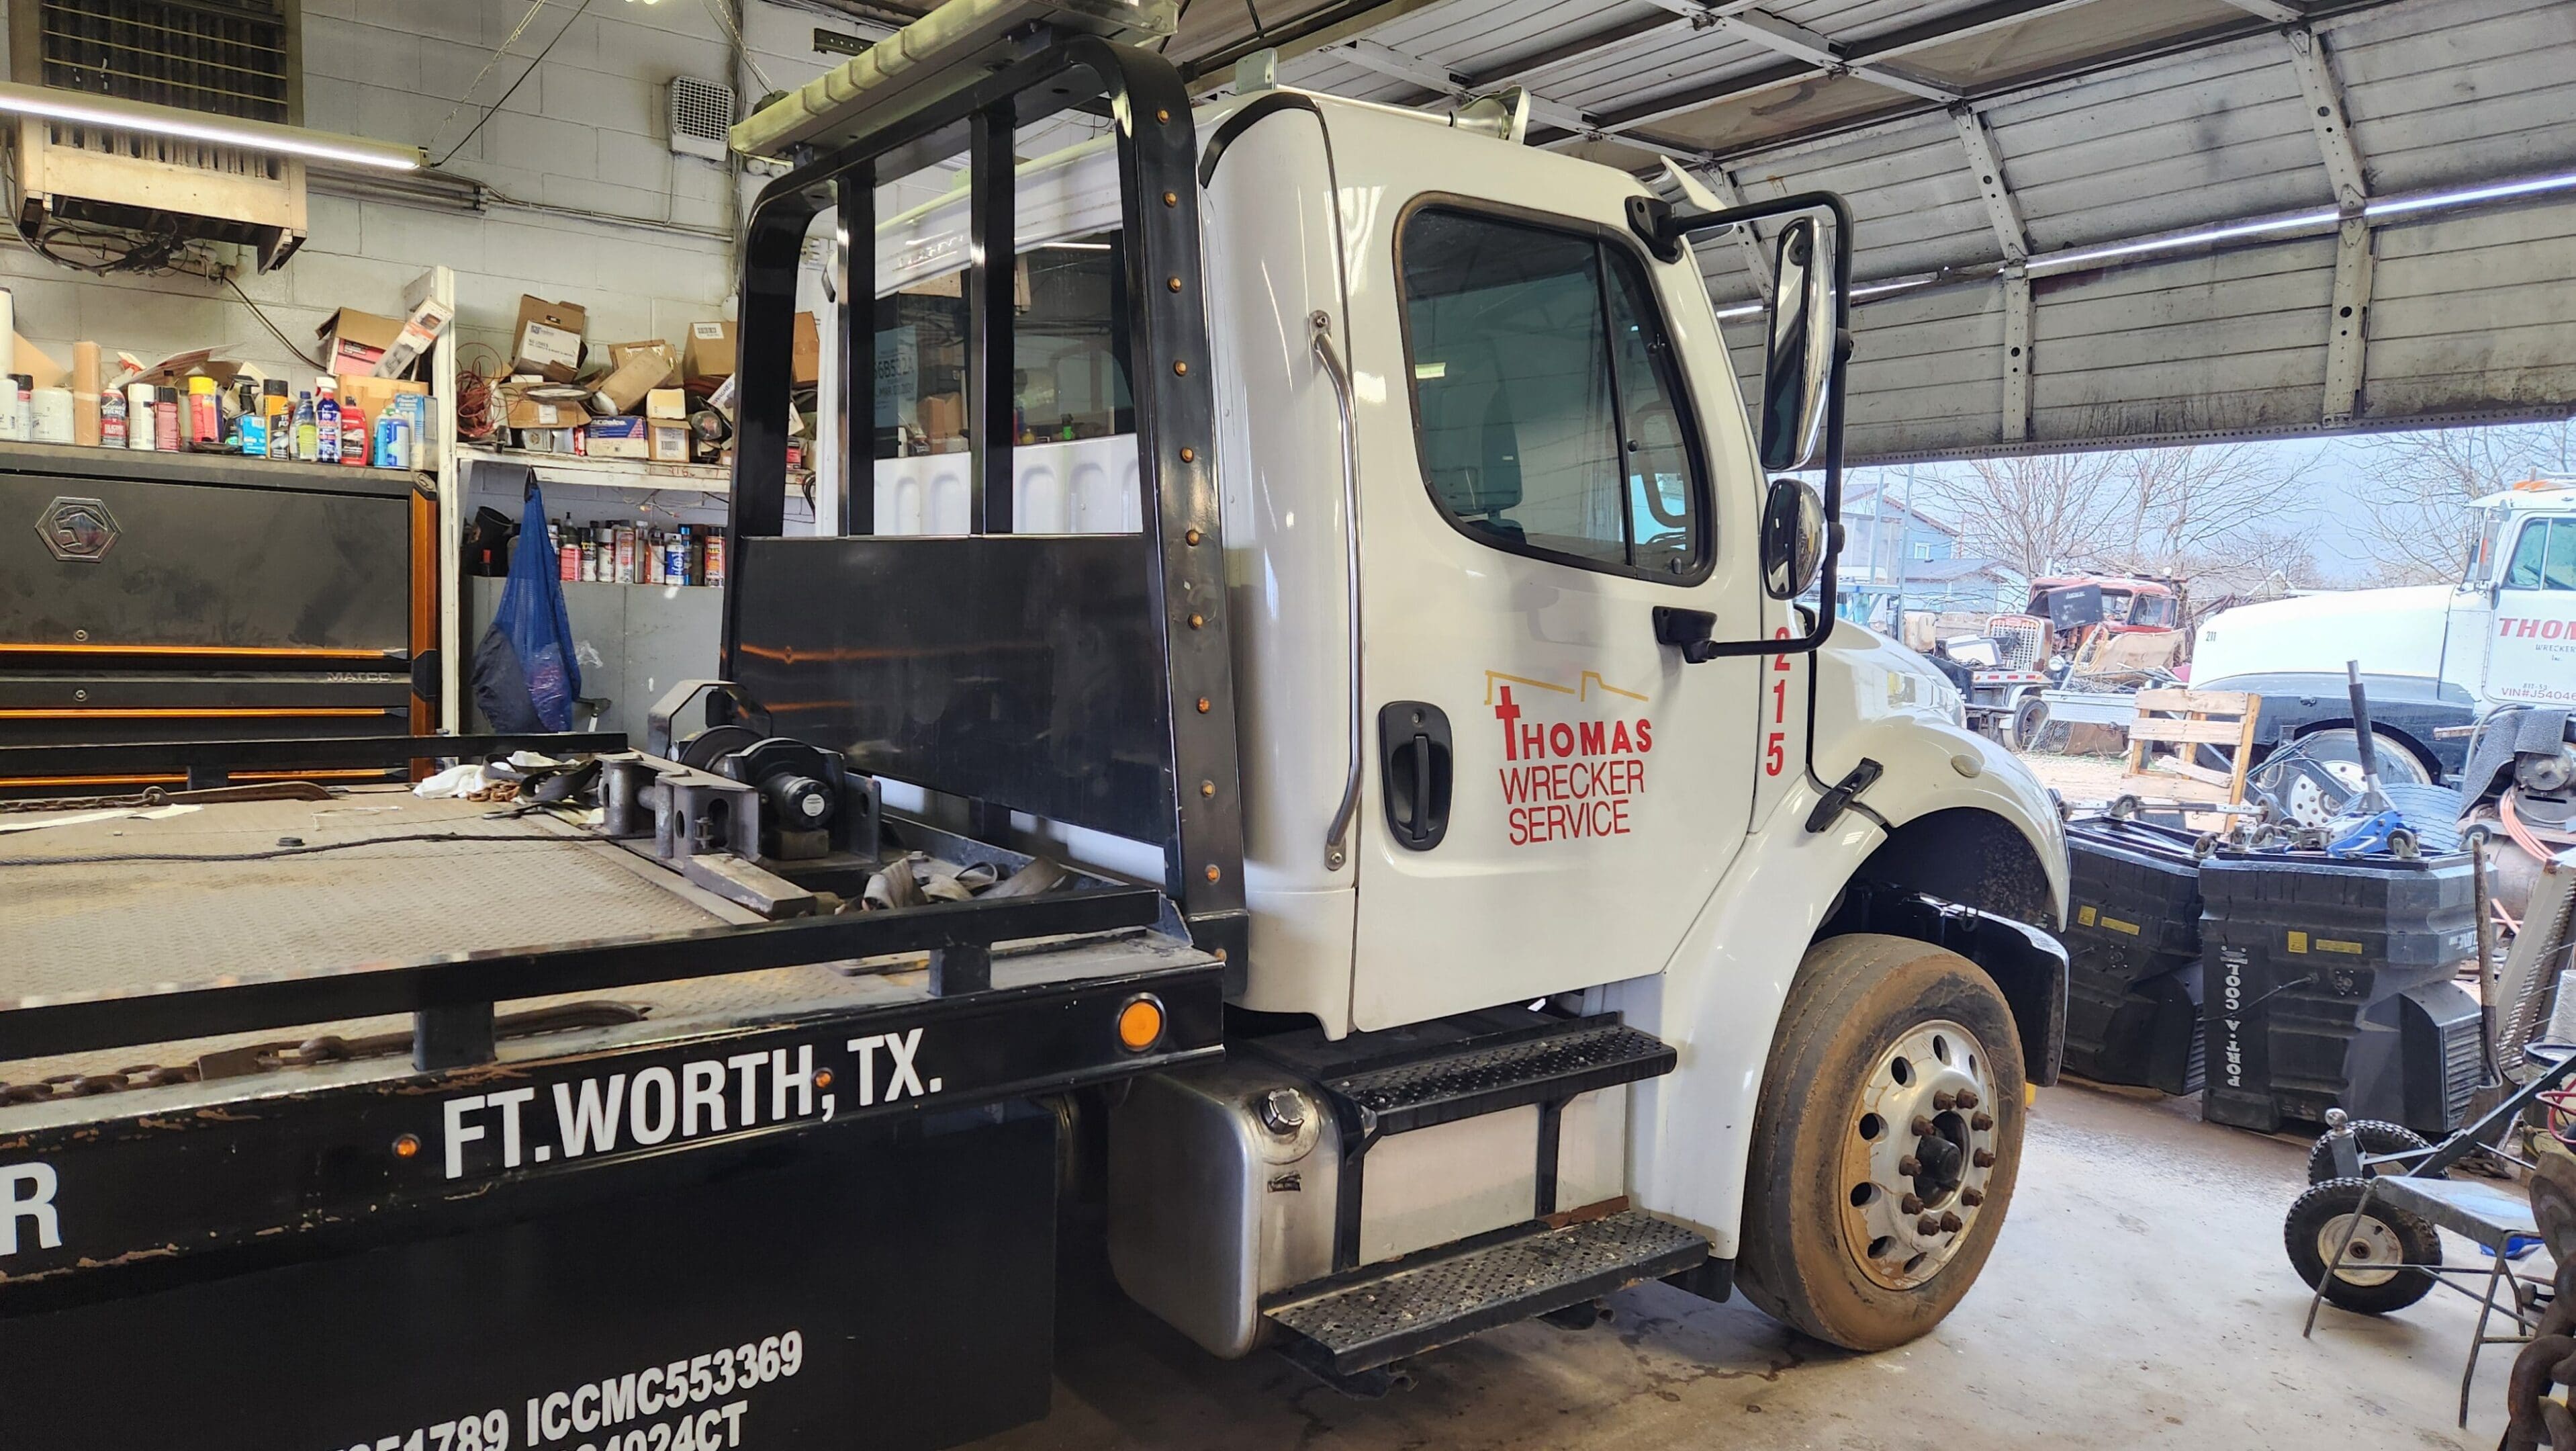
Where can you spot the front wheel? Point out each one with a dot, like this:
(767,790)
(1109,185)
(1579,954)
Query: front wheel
(1886,1144)
(2029,719)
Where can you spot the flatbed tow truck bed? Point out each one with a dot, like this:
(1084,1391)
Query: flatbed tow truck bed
(694,1133)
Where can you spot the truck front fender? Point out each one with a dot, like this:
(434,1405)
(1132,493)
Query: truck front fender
(1953,811)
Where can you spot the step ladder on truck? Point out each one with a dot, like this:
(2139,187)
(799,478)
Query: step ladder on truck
(1403,606)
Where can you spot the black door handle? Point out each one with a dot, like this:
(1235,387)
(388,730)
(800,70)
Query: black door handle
(1415,770)
(1689,629)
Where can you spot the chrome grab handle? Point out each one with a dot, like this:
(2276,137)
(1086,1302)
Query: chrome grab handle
(1320,324)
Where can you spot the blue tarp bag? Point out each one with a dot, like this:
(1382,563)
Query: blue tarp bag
(525,676)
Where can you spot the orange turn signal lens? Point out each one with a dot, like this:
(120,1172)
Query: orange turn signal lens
(1140,1023)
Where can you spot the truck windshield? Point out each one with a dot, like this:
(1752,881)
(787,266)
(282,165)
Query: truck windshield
(2157,610)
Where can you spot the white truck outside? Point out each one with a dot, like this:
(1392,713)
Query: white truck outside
(2433,655)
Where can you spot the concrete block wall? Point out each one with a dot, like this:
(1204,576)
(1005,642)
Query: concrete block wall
(585,133)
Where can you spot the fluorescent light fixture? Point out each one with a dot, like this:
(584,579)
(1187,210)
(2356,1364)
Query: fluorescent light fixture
(2299,222)
(81,109)
(2469,196)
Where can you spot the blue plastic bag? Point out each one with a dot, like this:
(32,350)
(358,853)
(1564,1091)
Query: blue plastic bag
(531,624)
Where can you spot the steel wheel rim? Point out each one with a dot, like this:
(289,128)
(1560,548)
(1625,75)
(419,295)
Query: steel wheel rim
(2374,1256)
(1904,1228)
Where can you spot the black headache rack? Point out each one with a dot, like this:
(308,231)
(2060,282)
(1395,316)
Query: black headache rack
(1082,679)
(224,1161)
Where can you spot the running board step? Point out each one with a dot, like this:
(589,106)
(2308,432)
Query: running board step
(1345,1327)
(1478,1063)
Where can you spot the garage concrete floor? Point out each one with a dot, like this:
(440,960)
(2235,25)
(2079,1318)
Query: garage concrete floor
(2139,1297)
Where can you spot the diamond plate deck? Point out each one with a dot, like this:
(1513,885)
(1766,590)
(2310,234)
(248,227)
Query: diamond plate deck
(1409,1309)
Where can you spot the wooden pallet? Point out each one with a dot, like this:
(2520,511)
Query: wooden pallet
(2187,719)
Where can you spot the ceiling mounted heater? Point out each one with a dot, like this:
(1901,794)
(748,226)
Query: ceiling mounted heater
(701,114)
(115,197)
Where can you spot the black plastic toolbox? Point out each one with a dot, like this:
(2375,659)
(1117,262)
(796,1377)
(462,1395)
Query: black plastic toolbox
(2133,954)
(2329,983)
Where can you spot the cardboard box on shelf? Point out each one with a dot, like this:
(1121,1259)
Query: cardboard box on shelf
(638,373)
(710,352)
(668,442)
(548,338)
(542,406)
(375,395)
(419,332)
(670,403)
(806,356)
(618,353)
(618,438)
(354,341)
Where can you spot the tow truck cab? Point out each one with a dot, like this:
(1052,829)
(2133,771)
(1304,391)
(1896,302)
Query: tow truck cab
(1489,750)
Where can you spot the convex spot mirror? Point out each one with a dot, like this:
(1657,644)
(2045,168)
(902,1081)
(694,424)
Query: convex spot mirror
(1800,357)
(1793,538)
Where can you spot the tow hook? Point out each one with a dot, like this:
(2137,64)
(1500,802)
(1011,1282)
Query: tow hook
(1840,797)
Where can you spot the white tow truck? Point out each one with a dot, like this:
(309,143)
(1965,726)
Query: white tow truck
(2432,655)
(1399,596)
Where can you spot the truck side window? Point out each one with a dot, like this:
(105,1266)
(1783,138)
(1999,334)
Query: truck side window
(2528,549)
(1550,413)
(2560,571)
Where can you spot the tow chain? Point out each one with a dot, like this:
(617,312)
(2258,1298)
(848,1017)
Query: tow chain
(324,1048)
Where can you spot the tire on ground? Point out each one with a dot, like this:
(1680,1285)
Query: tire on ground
(2317,1213)
(1853,998)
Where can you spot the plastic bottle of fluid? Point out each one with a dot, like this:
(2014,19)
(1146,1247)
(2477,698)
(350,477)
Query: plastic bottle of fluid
(308,433)
(326,420)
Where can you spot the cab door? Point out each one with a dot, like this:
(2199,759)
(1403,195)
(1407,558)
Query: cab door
(1557,482)
(2531,645)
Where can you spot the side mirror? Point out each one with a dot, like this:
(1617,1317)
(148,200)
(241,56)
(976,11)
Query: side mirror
(1800,357)
(1793,538)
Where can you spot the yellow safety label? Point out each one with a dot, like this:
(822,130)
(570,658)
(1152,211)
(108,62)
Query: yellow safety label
(2329,944)
(2116,925)
(2298,942)
(2083,916)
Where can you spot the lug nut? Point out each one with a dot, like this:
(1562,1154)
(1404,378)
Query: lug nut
(1985,1158)
(1945,1100)
(1982,1122)
(1952,1222)
(1911,1204)
(1923,1127)
(1909,1166)
(1968,1098)
(1972,1197)
(1928,1224)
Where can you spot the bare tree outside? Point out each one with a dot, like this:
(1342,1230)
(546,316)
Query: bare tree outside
(2414,503)
(2216,506)
(2032,512)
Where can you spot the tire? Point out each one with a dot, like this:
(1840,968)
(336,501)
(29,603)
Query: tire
(2029,718)
(2376,1137)
(2396,763)
(2316,1226)
(1825,1193)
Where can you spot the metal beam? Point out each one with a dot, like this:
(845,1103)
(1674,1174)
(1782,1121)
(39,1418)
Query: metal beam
(1394,64)
(1756,261)
(2348,342)
(1326,26)
(2326,118)
(2002,212)
(2271,10)
(2348,314)
(2016,419)
(1799,43)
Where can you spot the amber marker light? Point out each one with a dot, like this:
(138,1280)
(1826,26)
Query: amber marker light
(1140,1023)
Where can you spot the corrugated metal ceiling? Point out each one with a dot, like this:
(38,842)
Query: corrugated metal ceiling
(2114,124)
